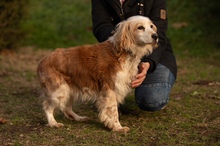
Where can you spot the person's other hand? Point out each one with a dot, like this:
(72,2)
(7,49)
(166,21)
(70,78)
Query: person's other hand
(143,68)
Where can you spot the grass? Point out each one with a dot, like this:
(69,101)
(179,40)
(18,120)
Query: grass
(193,27)
(53,24)
(191,117)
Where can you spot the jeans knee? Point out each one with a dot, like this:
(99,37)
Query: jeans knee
(152,98)
(153,93)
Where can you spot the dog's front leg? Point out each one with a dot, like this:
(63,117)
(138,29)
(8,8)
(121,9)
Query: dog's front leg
(108,111)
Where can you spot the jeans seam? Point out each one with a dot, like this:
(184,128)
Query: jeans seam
(156,84)
(156,104)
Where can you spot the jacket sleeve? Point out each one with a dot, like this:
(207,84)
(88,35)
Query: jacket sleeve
(159,17)
(102,23)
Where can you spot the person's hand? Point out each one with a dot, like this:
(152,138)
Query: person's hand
(143,68)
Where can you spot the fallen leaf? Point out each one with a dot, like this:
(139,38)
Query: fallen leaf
(178,25)
(2,121)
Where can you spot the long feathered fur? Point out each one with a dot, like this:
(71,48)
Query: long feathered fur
(101,73)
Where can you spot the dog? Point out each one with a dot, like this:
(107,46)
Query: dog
(101,72)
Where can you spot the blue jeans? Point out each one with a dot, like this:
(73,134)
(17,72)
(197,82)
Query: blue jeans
(153,93)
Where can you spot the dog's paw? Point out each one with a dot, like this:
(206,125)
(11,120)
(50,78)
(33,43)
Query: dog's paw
(56,125)
(121,129)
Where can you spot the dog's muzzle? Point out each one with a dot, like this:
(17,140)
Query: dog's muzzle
(154,37)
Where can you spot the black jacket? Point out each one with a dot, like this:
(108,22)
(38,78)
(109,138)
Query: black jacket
(107,13)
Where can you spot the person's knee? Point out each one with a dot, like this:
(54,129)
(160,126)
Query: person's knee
(152,107)
(152,100)
(153,93)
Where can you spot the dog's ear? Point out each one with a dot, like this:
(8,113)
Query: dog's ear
(123,35)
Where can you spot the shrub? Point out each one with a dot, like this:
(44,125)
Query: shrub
(11,14)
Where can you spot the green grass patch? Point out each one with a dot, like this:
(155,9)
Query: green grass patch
(53,24)
(194,27)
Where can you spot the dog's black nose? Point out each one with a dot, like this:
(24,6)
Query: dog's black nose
(154,36)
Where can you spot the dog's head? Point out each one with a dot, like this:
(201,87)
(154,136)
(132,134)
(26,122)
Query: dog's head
(136,32)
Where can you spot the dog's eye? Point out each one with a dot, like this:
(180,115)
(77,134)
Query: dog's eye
(151,26)
(141,27)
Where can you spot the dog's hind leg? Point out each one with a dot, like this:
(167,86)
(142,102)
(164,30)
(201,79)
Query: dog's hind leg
(56,99)
(49,106)
(108,111)
(69,113)
(66,103)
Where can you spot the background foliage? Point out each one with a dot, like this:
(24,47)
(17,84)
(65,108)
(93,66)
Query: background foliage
(52,24)
(12,12)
